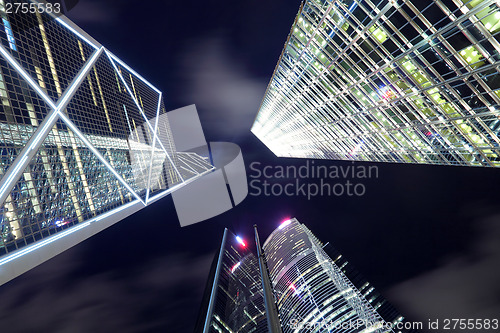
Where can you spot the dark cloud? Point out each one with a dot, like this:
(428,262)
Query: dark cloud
(465,286)
(214,80)
(151,297)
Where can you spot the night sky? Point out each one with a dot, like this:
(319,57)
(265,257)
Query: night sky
(428,237)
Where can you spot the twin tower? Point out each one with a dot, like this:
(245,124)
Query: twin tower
(294,283)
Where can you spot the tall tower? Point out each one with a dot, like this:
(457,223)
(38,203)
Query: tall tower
(85,140)
(388,81)
(311,291)
(233,300)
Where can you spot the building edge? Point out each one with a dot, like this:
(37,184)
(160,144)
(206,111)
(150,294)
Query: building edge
(26,258)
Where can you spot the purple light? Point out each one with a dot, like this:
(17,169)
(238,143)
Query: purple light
(295,290)
(386,93)
(285,223)
(239,240)
(235,266)
(60,223)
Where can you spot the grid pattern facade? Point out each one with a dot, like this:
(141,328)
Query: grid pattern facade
(81,133)
(379,303)
(390,81)
(312,293)
(238,299)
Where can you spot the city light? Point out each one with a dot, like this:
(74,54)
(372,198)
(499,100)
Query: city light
(240,240)
(102,160)
(235,266)
(111,57)
(60,223)
(400,91)
(284,223)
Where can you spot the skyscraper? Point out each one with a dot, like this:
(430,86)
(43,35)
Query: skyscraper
(312,291)
(85,141)
(388,81)
(233,300)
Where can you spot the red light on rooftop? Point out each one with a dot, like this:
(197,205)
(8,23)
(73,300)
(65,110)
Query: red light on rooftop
(285,223)
(240,240)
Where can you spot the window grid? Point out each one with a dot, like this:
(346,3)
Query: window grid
(65,183)
(382,82)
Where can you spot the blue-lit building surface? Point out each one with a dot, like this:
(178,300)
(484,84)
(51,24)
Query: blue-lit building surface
(388,81)
(315,292)
(233,299)
(85,140)
(314,289)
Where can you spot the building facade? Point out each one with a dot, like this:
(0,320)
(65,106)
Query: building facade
(312,291)
(388,81)
(378,302)
(233,299)
(85,141)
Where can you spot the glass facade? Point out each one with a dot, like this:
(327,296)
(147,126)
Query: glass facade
(379,303)
(81,133)
(388,81)
(315,289)
(237,296)
(314,294)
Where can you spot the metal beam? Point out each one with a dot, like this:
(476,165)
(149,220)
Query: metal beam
(111,57)
(210,310)
(15,171)
(273,320)
(153,147)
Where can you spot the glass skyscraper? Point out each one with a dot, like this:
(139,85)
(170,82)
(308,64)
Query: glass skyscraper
(388,81)
(233,300)
(312,291)
(85,141)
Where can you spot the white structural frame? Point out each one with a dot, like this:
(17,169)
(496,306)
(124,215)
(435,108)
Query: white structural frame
(34,254)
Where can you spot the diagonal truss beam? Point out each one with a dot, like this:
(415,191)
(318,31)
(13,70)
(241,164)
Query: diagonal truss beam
(14,172)
(68,24)
(153,148)
(55,112)
(82,137)
(111,57)
(37,245)
(20,70)
(114,58)
(77,31)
